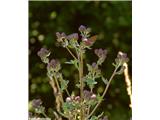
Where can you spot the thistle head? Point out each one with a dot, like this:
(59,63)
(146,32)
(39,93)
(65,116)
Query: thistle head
(73,36)
(62,39)
(102,54)
(84,31)
(43,53)
(121,58)
(53,66)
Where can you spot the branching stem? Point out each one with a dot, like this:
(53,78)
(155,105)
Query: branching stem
(107,86)
(71,53)
(59,90)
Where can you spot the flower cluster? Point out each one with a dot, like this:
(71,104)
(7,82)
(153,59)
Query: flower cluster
(87,96)
(54,65)
(71,40)
(100,52)
(72,107)
(43,54)
(101,55)
(84,31)
(61,36)
(73,36)
(62,39)
(121,58)
(72,104)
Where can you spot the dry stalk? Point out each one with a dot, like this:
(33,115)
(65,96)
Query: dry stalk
(128,83)
(58,104)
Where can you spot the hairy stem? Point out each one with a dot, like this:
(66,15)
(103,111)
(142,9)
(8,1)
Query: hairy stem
(81,83)
(52,83)
(89,105)
(107,86)
(71,53)
(68,93)
(59,90)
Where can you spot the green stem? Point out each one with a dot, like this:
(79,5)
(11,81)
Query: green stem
(81,82)
(71,53)
(107,86)
(67,92)
(89,105)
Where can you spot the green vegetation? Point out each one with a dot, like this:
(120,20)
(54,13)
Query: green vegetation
(113,23)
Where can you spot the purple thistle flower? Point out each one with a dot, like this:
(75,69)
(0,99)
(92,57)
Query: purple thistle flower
(121,55)
(73,36)
(60,36)
(100,52)
(82,28)
(122,58)
(43,52)
(53,65)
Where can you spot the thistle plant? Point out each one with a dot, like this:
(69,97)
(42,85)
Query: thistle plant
(83,105)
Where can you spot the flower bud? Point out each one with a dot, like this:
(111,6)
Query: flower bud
(93,96)
(77,98)
(68,99)
(94,64)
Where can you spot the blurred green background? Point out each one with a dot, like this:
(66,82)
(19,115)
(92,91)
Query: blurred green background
(111,21)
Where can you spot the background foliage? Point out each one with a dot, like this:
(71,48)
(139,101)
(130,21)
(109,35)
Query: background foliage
(112,21)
